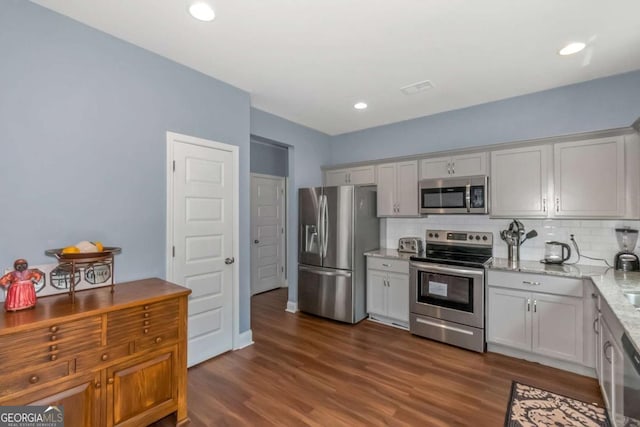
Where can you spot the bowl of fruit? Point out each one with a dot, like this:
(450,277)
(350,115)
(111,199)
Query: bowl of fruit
(83,251)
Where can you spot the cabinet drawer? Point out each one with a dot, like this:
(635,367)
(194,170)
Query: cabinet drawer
(388,264)
(131,323)
(101,356)
(12,382)
(536,283)
(158,338)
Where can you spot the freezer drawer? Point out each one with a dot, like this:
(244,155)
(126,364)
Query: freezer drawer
(326,293)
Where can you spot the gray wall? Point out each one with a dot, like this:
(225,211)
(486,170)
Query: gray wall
(83,121)
(595,105)
(268,158)
(308,150)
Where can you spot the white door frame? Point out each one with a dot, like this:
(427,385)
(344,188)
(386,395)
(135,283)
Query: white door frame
(283,236)
(172,137)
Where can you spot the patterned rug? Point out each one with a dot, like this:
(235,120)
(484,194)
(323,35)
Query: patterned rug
(533,407)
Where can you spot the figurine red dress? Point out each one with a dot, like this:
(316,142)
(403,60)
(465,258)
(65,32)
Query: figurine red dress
(21,293)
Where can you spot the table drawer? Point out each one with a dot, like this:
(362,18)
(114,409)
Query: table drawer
(158,338)
(129,324)
(388,264)
(103,356)
(536,283)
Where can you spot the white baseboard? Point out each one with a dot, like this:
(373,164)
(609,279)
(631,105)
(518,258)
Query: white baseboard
(576,368)
(292,307)
(245,339)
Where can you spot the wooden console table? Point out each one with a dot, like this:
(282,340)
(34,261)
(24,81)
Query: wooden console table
(111,359)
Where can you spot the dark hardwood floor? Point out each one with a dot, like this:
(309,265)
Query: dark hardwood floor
(304,370)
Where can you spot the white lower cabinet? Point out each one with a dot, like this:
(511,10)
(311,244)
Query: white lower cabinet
(388,290)
(541,323)
(611,375)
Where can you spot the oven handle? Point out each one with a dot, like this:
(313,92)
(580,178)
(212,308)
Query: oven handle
(439,268)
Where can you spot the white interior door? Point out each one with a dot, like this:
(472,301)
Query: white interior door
(267,225)
(203,191)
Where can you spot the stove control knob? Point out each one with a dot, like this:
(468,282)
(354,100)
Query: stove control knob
(430,234)
(484,238)
(477,237)
(437,235)
(470,237)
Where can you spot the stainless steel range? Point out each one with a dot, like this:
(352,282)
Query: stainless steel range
(447,283)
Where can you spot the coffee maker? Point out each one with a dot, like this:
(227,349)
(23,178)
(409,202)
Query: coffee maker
(626,260)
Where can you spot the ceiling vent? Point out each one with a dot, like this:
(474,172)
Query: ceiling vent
(418,87)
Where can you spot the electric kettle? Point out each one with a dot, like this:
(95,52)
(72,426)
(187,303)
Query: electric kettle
(556,252)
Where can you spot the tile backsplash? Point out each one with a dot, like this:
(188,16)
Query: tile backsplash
(595,238)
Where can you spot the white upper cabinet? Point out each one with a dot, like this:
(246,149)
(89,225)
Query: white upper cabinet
(398,189)
(454,166)
(520,181)
(579,179)
(589,178)
(352,176)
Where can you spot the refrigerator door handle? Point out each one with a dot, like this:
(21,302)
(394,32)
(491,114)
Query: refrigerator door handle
(322,272)
(320,231)
(325,227)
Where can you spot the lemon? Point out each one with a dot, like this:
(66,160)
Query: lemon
(99,246)
(71,250)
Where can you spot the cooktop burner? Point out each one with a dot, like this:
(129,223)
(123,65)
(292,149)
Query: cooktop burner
(463,248)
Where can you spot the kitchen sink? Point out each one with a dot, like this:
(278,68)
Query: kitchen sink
(634,298)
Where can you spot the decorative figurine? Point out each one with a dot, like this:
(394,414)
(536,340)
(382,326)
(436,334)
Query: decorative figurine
(21,293)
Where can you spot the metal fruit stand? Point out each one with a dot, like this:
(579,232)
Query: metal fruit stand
(74,263)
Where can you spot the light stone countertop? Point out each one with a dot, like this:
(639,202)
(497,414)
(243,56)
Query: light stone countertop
(389,253)
(610,283)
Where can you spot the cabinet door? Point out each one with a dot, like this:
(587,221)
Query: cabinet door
(557,326)
(509,318)
(376,292)
(469,164)
(607,352)
(520,182)
(589,178)
(398,296)
(142,391)
(438,167)
(386,189)
(362,175)
(335,177)
(407,188)
(80,398)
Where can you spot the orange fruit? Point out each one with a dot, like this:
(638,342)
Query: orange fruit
(71,250)
(99,246)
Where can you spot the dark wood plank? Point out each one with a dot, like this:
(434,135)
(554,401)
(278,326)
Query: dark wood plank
(304,370)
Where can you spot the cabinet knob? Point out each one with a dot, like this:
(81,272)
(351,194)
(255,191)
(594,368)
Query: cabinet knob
(97,384)
(104,357)
(110,381)
(146,307)
(146,315)
(34,379)
(146,330)
(53,357)
(53,329)
(53,337)
(157,340)
(146,323)
(53,347)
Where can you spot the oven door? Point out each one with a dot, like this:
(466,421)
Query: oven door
(448,292)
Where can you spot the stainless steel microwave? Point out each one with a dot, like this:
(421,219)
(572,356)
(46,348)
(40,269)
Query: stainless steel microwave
(468,195)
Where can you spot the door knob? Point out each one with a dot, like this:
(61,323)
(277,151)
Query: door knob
(256,241)
(229,261)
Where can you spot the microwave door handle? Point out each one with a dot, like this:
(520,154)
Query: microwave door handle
(468,197)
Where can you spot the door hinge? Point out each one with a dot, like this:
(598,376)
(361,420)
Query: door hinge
(174,165)
(173,251)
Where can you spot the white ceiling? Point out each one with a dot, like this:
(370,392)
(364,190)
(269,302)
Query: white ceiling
(310,61)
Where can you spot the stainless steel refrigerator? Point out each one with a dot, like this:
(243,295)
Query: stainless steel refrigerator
(336,226)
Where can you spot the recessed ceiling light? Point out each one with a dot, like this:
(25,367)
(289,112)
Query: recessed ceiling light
(572,48)
(360,105)
(202,11)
